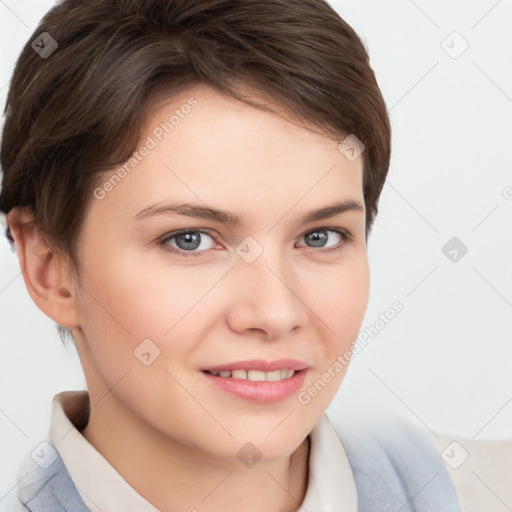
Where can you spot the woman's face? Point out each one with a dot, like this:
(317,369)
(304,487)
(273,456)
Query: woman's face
(157,310)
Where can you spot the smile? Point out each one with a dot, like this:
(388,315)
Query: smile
(255,385)
(255,375)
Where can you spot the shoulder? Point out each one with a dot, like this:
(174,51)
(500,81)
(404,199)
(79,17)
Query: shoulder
(387,452)
(395,465)
(46,484)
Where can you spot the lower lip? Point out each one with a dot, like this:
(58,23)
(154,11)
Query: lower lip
(263,392)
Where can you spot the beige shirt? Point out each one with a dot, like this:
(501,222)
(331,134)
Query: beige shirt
(481,471)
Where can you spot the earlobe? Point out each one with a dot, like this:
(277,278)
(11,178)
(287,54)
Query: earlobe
(48,280)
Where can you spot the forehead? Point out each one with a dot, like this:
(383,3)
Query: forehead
(203,146)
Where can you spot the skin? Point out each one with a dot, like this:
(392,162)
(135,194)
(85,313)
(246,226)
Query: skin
(295,300)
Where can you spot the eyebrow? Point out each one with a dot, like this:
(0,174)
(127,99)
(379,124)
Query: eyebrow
(231,219)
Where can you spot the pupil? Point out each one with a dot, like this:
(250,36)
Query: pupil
(317,236)
(190,238)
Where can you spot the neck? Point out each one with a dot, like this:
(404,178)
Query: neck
(173,476)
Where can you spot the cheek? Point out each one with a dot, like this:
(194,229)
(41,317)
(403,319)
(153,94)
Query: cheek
(126,301)
(340,307)
(342,299)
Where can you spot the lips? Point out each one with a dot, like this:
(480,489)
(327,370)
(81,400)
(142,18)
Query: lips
(257,380)
(257,391)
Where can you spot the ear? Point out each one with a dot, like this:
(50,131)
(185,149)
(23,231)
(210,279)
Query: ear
(48,279)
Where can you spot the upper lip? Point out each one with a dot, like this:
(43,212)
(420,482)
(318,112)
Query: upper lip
(261,365)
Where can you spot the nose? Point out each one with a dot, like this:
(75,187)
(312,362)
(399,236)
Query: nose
(268,295)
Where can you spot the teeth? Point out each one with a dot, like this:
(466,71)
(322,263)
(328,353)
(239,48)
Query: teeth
(256,375)
(239,374)
(270,376)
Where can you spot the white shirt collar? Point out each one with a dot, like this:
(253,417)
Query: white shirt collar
(331,485)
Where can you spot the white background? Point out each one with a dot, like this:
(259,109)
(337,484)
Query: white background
(445,361)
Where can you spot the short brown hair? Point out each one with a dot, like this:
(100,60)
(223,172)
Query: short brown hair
(80,111)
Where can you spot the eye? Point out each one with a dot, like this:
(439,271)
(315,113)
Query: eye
(186,241)
(319,238)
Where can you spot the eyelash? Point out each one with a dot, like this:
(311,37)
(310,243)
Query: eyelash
(345,235)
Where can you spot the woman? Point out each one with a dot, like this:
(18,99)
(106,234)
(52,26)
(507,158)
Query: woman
(190,187)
